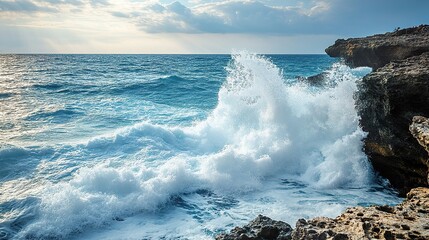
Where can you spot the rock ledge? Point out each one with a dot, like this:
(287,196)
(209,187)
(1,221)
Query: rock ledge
(378,50)
(408,220)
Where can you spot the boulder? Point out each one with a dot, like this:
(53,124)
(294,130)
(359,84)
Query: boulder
(261,228)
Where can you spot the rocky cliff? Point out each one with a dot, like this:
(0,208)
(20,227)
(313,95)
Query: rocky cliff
(388,99)
(391,102)
(378,50)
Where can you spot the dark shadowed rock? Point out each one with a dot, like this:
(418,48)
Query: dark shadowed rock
(315,80)
(378,50)
(387,101)
(261,228)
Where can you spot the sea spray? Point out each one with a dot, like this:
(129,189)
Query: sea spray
(266,137)
(264,127)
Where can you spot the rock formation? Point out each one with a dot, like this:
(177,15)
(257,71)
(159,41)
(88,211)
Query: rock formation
(408,220)
(261,228)
(393,96)
(390,97)
(420,130)
(378,50)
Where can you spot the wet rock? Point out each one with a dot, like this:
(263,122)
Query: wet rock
(390,97)
(378,50)
(261,228)
(385,222)
(315,80)
(387,101)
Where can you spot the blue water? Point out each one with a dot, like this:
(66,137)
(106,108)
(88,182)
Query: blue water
(176,146)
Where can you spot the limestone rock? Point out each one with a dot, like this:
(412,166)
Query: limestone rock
(378,50)
(408,220)
(387,100)
(315,80)
(420,130)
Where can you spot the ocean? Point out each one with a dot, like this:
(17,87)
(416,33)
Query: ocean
(176,146)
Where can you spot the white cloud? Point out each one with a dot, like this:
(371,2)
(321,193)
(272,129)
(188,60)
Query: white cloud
(277,17)
(37,6)
(197,26)
(23,6)
(224,17)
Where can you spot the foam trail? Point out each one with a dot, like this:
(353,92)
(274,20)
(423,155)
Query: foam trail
(260,128)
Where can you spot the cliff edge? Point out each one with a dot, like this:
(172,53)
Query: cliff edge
(389,98)
(391,102)
(378,50)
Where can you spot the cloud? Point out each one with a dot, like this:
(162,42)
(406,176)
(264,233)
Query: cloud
(223,17)
(276,17)
(33,6)
(23,6)
(62,2)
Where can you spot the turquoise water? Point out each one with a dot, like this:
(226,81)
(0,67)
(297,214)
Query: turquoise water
(175,146)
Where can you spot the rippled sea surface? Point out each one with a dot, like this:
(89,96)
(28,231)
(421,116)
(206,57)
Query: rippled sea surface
(176,146)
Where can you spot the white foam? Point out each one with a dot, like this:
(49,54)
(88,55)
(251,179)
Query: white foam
(260,128)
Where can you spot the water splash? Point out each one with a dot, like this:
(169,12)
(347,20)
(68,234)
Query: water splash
(261,128)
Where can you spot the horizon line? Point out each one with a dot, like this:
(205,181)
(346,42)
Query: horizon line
(157,53)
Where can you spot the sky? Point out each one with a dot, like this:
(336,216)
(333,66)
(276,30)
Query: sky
(197,26)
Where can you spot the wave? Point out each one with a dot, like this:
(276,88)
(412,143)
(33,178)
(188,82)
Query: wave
(260,128)
(55,115)
(11,152)
(157,84)
(48,86)
(6,95)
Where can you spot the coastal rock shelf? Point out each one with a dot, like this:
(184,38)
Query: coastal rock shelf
(390,97)
(378,50)
(408,220)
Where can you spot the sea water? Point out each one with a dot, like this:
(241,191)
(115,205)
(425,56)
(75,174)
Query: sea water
(176,146)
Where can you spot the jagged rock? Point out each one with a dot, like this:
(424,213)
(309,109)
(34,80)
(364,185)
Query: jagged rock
(261,228)
(408,220)
(387,100)
(389,97)
(420,130)
(378,50)
(316,80)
